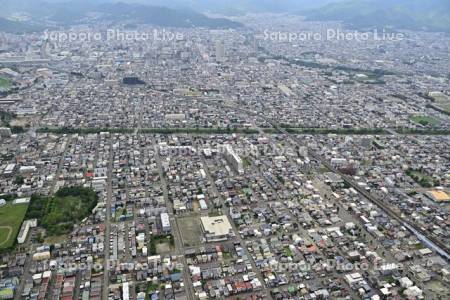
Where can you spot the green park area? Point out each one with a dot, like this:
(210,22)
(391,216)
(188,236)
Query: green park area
(4,83)
(60,213)
(11,218)
(421,178)
(425,120)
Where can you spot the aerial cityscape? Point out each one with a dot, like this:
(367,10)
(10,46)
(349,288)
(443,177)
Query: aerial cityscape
(224,150)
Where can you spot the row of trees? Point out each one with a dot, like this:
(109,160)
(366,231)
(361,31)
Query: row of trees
(359,131)
(69,130)
(229,130)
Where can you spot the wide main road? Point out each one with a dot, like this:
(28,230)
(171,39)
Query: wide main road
(109,195)
(422,235)
(176,232)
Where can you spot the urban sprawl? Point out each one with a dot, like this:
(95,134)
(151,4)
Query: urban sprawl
(224,164)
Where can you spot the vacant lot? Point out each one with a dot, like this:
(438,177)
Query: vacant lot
(442,102)
(11,217)
(191,230)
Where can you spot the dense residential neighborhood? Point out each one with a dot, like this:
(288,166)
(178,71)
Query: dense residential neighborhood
(224,164)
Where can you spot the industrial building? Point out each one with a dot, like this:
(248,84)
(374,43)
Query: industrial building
(439,196)
(173,117)
(9,170)
(21,201)
(216,228)
(27,169)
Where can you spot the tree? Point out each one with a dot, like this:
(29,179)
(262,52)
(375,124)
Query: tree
(19,180)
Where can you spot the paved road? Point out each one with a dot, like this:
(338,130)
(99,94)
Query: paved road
(175,229)
(26,269)
(27,245)
(235,230)
(105,289)
(60,165)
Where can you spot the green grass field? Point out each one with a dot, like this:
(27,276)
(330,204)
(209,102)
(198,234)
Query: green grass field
(5,83)
(11,218)
(425,120)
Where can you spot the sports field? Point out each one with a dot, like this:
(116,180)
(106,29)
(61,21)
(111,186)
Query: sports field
(11,218)
(4,83)
(425,120)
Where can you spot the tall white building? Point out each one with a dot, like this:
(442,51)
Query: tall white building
(233,159)
(165,222)
(220,52)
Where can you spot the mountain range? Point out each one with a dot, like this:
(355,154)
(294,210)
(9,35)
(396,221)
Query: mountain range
(240,6)
(16,27)
(431,15)
(76,11)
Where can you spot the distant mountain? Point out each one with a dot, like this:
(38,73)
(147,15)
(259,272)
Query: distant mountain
(37,8)
(228,6)
(244,6)
(18,27)
(76,12)
(432,15)
(161,16)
